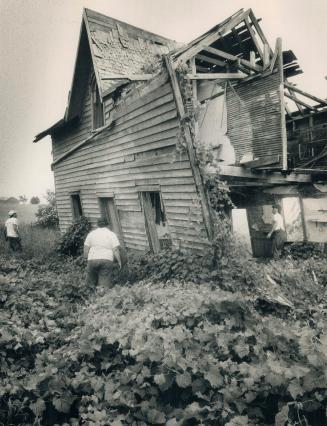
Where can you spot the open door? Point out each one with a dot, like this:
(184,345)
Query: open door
(155,220)
(109,211)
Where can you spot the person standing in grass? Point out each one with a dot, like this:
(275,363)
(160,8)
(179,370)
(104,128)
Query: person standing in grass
(101,248)
(12,232)
(277,233)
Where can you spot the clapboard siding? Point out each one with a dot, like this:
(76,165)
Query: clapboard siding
(137,150)
(254,118)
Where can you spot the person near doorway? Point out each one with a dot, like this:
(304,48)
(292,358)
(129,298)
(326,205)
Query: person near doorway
(101,248)
(277,233)
(12,233)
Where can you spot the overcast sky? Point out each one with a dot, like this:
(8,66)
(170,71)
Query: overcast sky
(38,42)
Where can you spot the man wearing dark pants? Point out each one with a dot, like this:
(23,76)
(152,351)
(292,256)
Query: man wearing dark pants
(12,233)
(101,248)
(277,233)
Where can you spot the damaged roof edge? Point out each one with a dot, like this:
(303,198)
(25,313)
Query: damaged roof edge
(55,127)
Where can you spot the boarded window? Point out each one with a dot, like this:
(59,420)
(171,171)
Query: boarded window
(76,204)
(109,211)
(97,106)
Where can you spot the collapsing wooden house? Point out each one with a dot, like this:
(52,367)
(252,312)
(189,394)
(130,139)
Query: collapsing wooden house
(141,111)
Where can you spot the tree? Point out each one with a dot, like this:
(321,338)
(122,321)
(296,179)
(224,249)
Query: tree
(50,196)
(47,216)
(35,200)
(22,199)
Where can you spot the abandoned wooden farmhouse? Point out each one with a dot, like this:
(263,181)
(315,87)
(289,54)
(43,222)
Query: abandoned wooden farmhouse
(147,117)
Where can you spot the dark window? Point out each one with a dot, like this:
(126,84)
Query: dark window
(76,206)
(97,106)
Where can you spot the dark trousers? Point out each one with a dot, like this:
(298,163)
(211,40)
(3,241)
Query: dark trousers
(14,243)
(98,272)
(278,240)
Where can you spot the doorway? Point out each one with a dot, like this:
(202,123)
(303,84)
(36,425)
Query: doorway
(109,211)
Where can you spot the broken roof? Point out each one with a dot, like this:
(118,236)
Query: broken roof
(118,51)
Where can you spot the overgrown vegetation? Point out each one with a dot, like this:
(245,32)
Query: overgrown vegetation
(71,242)
(169,352)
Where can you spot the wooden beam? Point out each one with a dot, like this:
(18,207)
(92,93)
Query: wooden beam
(230,57)
(266,56)
(308,95)
(216,76)
(254,37)
(261,162)
(252,58)
(190,150)
(258,29)
(297,100)
(210,38)
(79,145)
(131,77)
(274,58)
(267,177)
(210,60)
(282,101)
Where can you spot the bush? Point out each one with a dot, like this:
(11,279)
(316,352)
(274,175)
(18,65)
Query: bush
(47,216)
(72,241)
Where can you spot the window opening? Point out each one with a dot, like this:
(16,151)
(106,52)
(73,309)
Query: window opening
(76,206)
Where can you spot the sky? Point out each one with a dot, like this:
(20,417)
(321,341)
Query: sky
(38,44)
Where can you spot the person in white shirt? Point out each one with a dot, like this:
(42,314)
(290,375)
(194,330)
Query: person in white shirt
(277,233)
(101,248)
(12,232)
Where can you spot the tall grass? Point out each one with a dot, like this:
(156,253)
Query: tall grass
(38,243)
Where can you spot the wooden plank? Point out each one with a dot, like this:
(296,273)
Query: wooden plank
(131,77)
(230,57)
(217,76)
(210,60)
(272,177)
(265,161)
(209,39)
(308,95)
(190,150)
(298,101)
(79,145)
(266,56)
(258,29)
(254,38)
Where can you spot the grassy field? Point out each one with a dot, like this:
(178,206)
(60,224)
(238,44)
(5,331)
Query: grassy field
(25,212)
(38,243)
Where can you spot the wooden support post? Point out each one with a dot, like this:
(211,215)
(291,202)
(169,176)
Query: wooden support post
(266,57)
(282,107)
(191,151)
(304,224)
(252,58)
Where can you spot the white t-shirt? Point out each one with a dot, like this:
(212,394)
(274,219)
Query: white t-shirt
(278,220)
(11,232)
(101,241)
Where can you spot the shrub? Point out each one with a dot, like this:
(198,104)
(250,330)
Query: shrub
(72,241)
(47,216)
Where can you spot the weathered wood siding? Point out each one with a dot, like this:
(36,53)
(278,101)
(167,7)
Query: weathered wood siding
(254,118)
(138,150)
